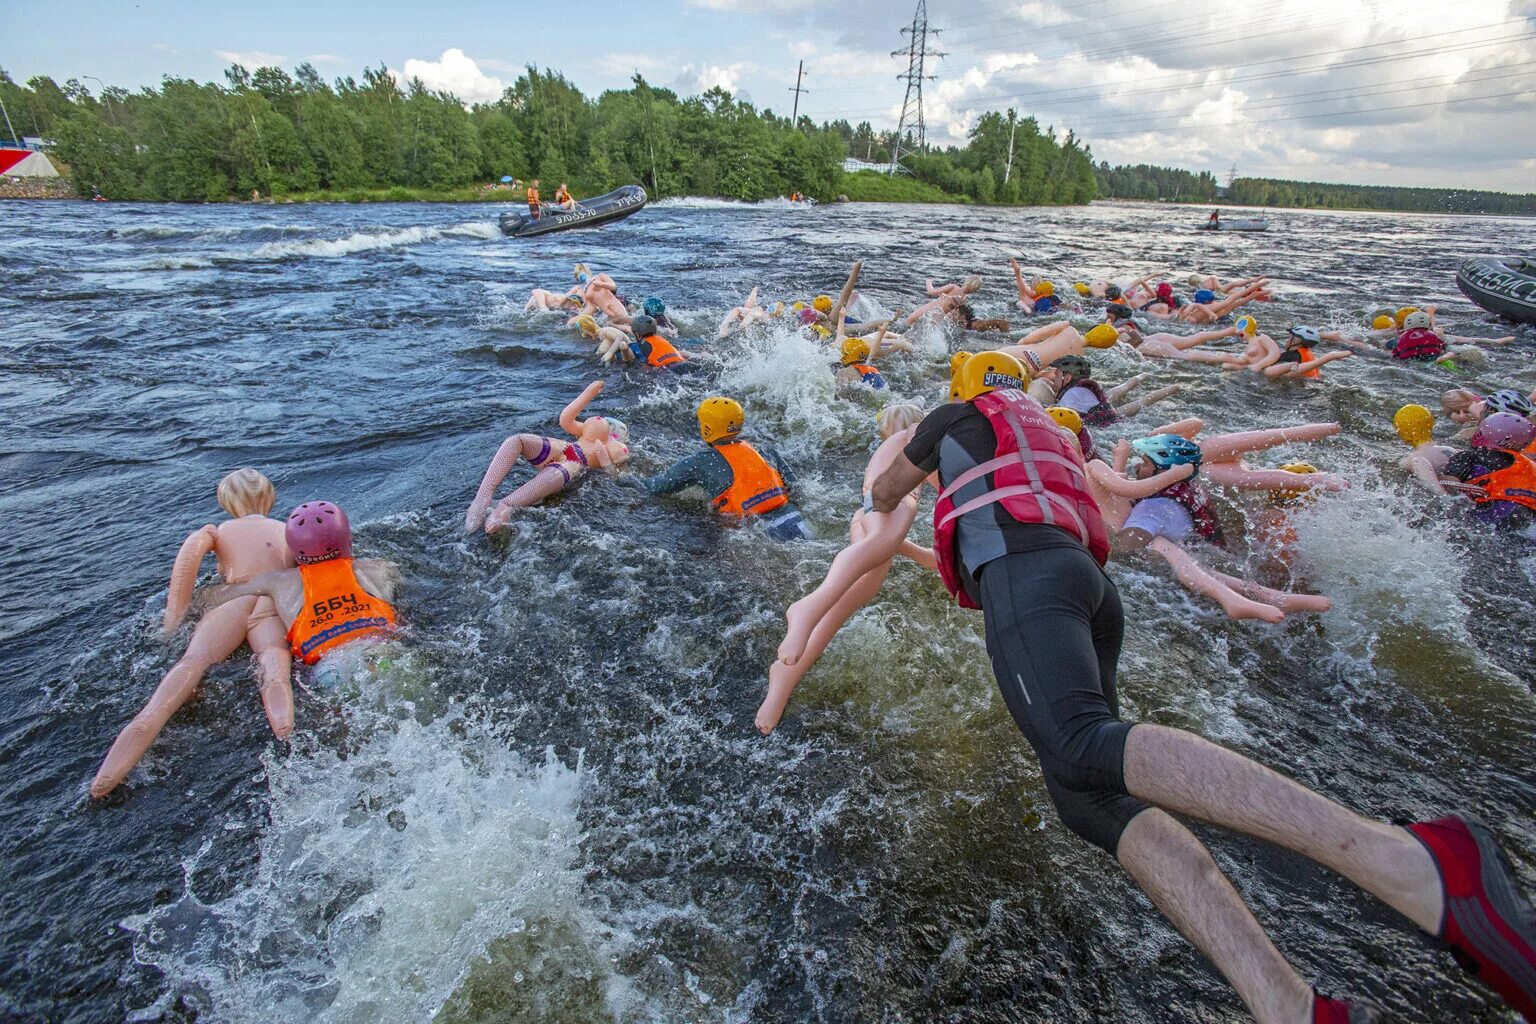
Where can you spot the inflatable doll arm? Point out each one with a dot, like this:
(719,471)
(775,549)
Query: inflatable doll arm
(184,574)
(1137,489)
(568,421)
(846,295)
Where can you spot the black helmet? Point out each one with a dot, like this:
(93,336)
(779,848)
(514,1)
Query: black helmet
(1112,291)
(643,326)
(1119,312)
(1075,367)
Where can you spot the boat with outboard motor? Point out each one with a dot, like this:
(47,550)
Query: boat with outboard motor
(625,201)
(1505,285)
(1245,224)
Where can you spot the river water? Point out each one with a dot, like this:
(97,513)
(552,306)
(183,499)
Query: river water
(548,802)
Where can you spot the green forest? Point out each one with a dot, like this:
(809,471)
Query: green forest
(1179,186)
(300,136)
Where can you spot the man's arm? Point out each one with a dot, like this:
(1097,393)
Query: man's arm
(690,472)
(900,479)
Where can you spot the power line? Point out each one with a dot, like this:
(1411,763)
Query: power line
(912,107)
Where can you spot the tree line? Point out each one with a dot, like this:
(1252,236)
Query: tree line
(1174,185)
(280,134)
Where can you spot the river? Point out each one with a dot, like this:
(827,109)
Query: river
(549,804)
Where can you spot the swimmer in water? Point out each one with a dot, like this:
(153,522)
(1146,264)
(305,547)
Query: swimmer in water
(329,601)
(650,348)
(855,576)
(1498,473)
(1035,297)
(1030,558)
(967,286)
(1296,359)
(1098,406)
(601,442)
(1202,310)
(612,342)
(246,545)
(746,483)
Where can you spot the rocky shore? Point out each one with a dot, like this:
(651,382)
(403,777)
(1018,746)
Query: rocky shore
(36,188)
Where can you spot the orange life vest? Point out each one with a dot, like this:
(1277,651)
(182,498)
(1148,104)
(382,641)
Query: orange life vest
(1516,483)
(337,610)
(869,375)
(756,487)
(533,198)
(1306,357)
(662,352)
(562,195)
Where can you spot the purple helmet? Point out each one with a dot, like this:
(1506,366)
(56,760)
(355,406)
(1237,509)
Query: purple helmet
(1504,430)
(317,532)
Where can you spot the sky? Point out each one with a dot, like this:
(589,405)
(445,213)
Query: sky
(1395,92)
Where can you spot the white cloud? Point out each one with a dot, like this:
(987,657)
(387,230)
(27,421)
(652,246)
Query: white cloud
(454,72)
(693,79)
(751,6)
(325,58)
(252,59)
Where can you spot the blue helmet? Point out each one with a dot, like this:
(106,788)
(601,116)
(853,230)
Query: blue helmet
(1205,295)
(654,306)
(1168,450)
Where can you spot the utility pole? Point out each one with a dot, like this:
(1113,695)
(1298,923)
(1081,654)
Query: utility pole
(794,118)
(912,107)
(1231,176)
(16,138)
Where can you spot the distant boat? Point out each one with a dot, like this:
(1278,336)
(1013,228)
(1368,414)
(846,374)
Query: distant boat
(1235,224)
(622,202)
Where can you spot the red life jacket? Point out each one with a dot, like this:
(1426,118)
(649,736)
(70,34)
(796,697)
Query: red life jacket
(1100,415)
(1197,502)
(1515,482)
(1419,343)
(1037,476)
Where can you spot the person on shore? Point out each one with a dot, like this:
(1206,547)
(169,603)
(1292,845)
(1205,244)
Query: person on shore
(854,577)
(1018,536)
(246,545)
(747,483)
(601,442)
(329,601)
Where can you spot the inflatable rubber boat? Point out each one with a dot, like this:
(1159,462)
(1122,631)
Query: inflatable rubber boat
(1248,224)
(1505,285)
(625,201)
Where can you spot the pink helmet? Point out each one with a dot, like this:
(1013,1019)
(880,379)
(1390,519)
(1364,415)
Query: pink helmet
(1164,290)
(807,316)
(317,532)
(1504,430)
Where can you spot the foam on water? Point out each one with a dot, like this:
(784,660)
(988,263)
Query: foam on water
(367,241)
(385,873)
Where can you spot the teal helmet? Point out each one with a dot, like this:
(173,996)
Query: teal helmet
(654,306)
(1168,450)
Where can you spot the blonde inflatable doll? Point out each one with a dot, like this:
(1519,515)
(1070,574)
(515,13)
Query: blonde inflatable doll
(246,545)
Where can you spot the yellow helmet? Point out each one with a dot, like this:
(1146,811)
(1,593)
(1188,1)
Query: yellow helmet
(956,361)
(1291,494)
(797,306)
(822,303)
(1045,288)
(1071,419)
(1415,425)
(1247,326)
(1102,336)
(1081,288)
(1404,313)
(854,349)
(986,372)
(1383,322)
(720,419)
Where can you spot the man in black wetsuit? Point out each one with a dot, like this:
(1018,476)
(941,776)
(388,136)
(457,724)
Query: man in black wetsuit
(742,480)
(1018,535)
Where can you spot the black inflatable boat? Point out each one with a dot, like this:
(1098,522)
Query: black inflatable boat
(1505,285)
(589,213)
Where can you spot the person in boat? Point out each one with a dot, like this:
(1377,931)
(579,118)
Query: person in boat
(854,577)
(747,482)
(1214,220)
(601,442)
(563,198)
(246,545)
(532,195)
(1498,472)
(329,602)
(1019,536)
